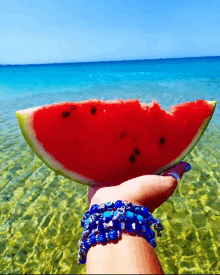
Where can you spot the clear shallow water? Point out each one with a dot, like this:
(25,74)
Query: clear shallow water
(40,211)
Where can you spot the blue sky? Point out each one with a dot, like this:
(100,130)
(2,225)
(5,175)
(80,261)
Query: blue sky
(52,31)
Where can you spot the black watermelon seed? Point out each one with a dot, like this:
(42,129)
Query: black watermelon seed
(162,140)
(123,134)
(73,108)
(136,151)
(132,159)
(93,110)
(65,114)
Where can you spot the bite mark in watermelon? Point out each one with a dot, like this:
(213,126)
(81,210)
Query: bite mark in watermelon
(98,142)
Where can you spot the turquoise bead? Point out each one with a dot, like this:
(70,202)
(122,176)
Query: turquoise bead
(115,213)
(130,216)
(140,218)
(107,214)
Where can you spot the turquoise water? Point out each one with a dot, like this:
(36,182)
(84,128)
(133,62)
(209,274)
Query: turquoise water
(40,211)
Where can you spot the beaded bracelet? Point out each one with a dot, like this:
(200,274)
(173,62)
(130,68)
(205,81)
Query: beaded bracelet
(107,221)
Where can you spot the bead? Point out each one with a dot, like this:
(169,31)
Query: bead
(150,233)
(145,211)
(101,207)
(86,245)
(82,251)
(112,235)
(87,214)
(118,204)
(109,205)
(137,210)
(100,221)
(121,218)
(153,243)
(130,216)
(83,222)
(139,218)
(107,216)
(148,223)
(83,260)
(128,227)
(92,225)
(116,224)
(94,208)
(102,238)
(92,240)
(150,217)
(138,228)
(97,216)
(101,228)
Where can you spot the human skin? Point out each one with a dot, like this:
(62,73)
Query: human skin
(131,254)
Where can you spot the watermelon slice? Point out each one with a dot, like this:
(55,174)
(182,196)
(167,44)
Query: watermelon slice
(98,142)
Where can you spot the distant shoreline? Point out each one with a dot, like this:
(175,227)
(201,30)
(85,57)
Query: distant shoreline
(112,61)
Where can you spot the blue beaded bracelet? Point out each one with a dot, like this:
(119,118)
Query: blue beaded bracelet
(107,221)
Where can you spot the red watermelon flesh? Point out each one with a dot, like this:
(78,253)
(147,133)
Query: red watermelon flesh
(98,142)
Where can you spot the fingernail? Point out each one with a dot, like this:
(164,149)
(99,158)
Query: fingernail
(187,168)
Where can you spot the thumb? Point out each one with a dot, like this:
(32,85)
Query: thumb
(169,183)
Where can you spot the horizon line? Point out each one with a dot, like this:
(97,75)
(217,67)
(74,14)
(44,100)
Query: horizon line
(110,61)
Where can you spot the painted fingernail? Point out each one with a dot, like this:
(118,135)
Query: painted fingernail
(187,168)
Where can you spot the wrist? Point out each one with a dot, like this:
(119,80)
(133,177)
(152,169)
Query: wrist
(129,255)
(107,222)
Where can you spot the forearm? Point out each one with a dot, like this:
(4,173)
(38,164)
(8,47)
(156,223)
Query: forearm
(131,255)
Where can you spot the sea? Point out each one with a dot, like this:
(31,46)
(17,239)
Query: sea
(40,211)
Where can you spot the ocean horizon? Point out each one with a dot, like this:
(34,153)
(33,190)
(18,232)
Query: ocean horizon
(107,61)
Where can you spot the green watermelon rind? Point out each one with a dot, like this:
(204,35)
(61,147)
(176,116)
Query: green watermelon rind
(24,121)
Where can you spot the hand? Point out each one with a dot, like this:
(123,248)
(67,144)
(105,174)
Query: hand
(150,190)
